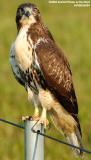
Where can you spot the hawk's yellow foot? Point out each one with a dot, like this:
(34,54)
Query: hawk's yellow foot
(24,118)
(43,120)
(35,116)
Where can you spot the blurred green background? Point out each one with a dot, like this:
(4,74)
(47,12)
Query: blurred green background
(71,28)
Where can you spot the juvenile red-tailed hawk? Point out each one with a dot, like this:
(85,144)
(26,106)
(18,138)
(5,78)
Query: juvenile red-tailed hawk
(42,68)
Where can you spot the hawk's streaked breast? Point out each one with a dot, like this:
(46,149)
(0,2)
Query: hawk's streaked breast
(23,49)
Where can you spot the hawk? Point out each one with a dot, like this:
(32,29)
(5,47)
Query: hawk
(42,68)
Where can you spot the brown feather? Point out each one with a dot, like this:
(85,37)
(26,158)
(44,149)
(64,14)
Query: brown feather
(38,30)
(58,76)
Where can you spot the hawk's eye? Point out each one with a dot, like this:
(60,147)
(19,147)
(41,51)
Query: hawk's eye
(27,13)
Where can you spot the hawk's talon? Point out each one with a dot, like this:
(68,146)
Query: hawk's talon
(30,118)
(35,118)
(24,118)
(44,122)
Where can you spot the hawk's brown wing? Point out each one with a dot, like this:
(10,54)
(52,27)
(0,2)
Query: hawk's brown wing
(57,74)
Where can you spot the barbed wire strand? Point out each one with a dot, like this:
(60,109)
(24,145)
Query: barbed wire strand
(47,136)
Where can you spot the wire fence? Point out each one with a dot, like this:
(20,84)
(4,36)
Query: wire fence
(46,136)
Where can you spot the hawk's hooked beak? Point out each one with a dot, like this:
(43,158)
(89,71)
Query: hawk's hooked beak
(22,13)
(27,14)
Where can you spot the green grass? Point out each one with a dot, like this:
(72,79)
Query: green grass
(71,28)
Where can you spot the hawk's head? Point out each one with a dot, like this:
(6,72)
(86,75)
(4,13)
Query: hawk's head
(27,14)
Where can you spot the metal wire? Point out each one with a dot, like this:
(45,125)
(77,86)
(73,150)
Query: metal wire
(62,142)
(47,136)
(11,123)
